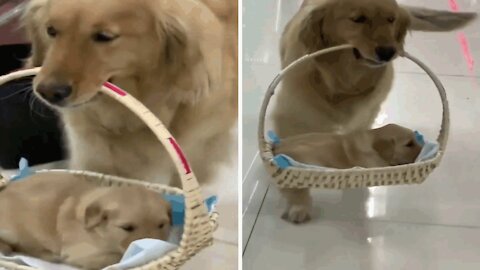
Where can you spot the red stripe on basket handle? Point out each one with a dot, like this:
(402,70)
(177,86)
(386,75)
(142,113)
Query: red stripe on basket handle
(115,89)
(181,155)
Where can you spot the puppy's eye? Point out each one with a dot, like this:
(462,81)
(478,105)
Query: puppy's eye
(104,37)
(51,31)
(161,225)
(128,228)
(410,144)
(359,19)
(391,19)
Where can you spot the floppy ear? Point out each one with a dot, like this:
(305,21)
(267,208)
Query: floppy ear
(385,148)
(312,33)
(189,67)
(423,19)
(33,21)
(94,215)
(402,25)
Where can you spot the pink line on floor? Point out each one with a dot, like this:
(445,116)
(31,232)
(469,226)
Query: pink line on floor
(463,40)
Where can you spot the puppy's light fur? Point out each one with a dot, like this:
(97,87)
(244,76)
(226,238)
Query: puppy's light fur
(386,146)
(342,92)
(174,56)
(62,218)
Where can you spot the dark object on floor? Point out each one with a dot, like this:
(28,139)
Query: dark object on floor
(28,128)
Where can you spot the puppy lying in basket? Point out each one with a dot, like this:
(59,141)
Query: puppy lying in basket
(61,218)
(386,146)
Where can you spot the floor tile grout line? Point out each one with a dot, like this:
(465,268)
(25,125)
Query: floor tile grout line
(225,242)
(250,167)
(256,219)
(404,222)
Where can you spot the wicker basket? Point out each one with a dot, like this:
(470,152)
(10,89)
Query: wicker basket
(294,177)
(199,224)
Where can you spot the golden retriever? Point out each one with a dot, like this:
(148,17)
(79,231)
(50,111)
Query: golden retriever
(63,218)
(343,91)
(173,56)
(389,145)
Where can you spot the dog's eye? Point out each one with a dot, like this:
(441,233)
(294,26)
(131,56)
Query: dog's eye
(161,225)
(103,37)
(410,144)
(391,19)
(128,228)
(51,31)
(359,19)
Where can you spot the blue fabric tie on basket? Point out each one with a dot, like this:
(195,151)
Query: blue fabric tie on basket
(429,150)
(138,252)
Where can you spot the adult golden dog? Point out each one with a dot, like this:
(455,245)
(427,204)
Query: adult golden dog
(173,56)
(343,91)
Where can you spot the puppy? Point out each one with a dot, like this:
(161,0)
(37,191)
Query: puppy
(171,55)
(342,91)
(62,218)
(386,146)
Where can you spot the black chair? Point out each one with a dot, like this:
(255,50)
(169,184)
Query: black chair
(28,128)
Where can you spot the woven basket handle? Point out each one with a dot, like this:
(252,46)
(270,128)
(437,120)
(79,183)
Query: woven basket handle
(191,188)
(445,127)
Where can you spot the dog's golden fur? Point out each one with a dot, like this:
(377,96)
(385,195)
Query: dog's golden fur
(343,91)
(177,57)
(389,145)
(64,218)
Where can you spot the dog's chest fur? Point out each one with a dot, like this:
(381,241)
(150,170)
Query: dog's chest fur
(122,143)
(324,98)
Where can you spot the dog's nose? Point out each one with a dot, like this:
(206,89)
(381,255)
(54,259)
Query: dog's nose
(385,53)
(54,93)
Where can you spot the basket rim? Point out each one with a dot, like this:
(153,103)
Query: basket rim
(196,213)
(266,152)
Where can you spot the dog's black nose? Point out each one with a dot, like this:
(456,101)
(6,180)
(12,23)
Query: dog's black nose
(54,93)
(385,53)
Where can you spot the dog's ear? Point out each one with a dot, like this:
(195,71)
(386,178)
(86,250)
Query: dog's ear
(169,212)
(423,19)
(402,25)
(312,33)
(190,63)
(33,21)
(94,215)
(385,147)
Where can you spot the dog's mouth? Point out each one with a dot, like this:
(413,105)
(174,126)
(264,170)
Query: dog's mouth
(368,61)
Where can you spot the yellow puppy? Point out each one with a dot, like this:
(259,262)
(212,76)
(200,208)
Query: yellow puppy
(61,218)
(386,146)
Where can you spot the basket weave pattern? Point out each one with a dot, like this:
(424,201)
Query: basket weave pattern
(294,177)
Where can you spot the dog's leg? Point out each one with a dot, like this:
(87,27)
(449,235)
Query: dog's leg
(299,205)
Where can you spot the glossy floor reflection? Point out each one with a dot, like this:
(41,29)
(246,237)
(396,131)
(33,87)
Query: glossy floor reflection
(430,226)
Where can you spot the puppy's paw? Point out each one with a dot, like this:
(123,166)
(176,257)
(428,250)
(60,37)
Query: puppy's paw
(297,214)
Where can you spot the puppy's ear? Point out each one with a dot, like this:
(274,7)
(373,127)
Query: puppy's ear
(312,33)
(423,19)
(385,147)
(402,25)
(94,215)
(33,21)
(169,211)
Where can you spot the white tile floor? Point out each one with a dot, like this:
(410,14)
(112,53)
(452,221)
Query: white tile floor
(223,255)
(435,225)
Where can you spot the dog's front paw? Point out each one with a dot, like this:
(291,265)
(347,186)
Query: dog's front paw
(297,214)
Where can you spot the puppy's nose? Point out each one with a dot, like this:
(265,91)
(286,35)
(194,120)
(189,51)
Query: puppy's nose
(385,53)
(54,93)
